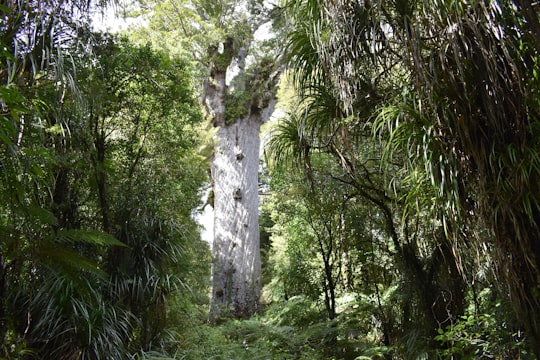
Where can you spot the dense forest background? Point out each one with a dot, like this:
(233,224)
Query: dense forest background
(399,210)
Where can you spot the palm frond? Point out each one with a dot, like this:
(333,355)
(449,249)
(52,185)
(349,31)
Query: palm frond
(288,143)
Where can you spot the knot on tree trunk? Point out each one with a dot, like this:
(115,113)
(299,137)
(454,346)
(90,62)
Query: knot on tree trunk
(237,194)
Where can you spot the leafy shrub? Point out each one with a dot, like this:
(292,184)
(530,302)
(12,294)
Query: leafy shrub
(482,337)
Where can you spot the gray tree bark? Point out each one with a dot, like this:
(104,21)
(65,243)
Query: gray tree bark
(236,281)
(236,270)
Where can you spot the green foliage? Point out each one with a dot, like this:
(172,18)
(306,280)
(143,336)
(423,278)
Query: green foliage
(479,337)
(252,90)
(406,168)
(294,329)
(236,106)
(100,178)
(390,95)
(297,311)
(486,330)
(72,318)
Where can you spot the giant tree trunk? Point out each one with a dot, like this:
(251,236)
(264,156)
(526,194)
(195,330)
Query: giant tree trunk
(236,281)
(236,270)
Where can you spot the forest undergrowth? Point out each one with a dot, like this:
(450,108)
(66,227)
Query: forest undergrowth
(298,328)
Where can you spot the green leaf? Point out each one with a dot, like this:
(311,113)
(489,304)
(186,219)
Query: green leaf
(11,96)
(44,216)
(68,260)
(93,237)
(5,139)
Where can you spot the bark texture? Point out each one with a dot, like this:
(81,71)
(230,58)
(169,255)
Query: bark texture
(236,281)
(238,112)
